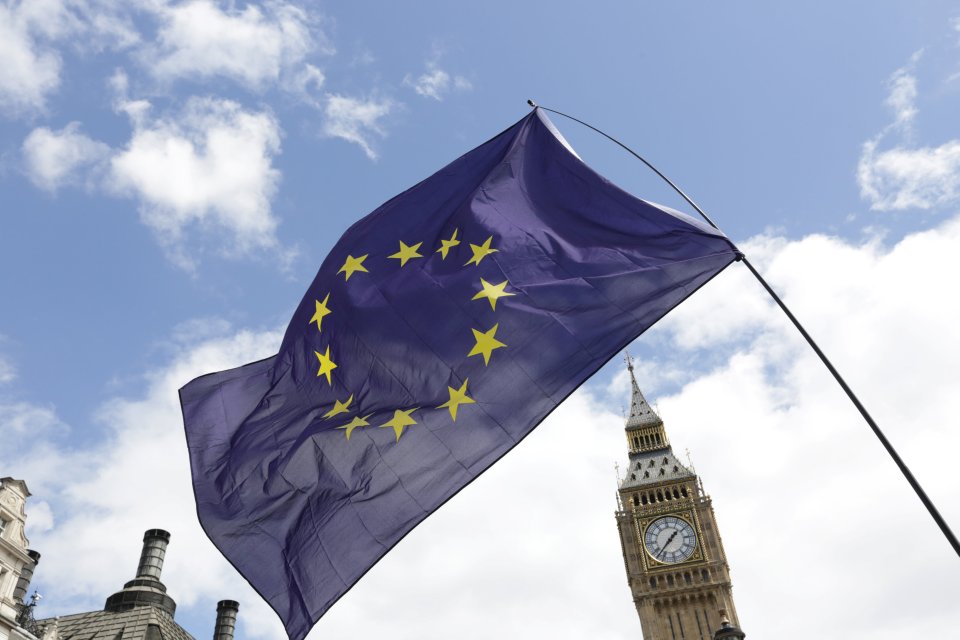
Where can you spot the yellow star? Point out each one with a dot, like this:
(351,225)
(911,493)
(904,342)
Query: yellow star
(326,364)
(400,420)
(353,264)
(321,312)
(486,343)
(353,424)
(457,398)
(407,253)
(446,245)
(480,252)
(492,292)
(339,407)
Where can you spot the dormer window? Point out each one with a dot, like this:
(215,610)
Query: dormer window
(662,472)
(646,474)
(676,469)
(664,461)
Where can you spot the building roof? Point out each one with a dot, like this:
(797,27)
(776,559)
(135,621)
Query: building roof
(641,414)
(653,467)
(140,623)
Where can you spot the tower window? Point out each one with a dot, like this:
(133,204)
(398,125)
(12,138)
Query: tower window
(644,498)
(683,491)
(636,442)
(657,437)
(653,583)
(646,474)
(651,463)
(704,575)
(662,472)
(669,581)
(636,501)
(687,578)
(676,468)
(633,476)
(664,461)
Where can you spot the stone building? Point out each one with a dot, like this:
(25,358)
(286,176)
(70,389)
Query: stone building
(676,567)
(16,560)
(141,610)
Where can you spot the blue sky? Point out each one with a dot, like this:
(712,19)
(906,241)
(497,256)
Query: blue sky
(173,173)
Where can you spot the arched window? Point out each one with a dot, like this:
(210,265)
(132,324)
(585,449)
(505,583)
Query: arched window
(636,500)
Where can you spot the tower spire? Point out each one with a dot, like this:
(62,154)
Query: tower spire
(645,430)
(641,413)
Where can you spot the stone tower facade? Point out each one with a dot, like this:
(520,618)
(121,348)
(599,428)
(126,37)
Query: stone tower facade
(672,551)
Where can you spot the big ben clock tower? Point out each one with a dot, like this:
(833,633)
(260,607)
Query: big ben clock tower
(676,567)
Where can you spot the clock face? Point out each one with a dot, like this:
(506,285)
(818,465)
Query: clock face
(670,539)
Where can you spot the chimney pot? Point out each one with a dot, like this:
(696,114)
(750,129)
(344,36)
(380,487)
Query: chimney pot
(26,575)
(226,619)
(155,543)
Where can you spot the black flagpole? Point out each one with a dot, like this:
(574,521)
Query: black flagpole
(944,527)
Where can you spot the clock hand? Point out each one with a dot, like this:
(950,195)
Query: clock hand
(667,543)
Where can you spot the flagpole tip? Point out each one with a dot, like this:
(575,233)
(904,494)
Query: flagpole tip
(531,103)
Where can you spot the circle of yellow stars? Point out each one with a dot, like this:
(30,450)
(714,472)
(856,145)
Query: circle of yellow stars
(485,342)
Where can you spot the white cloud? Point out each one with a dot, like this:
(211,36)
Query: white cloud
(25,421)
(907,177)
(32,33)
(436,83)
(355,120)
(55,158)
(903,93)
(306,82)
(210,166)
(31,69)
(255,45)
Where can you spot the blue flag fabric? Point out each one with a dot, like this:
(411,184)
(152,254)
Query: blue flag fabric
(439,331)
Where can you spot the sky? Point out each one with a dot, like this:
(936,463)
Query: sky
(172,174)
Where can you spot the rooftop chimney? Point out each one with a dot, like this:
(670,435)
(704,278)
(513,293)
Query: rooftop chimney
(155,543)
(226,619)
(26,575)
(146,589)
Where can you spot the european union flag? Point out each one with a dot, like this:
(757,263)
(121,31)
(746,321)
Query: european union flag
(441,329)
